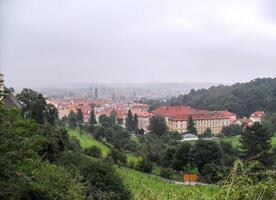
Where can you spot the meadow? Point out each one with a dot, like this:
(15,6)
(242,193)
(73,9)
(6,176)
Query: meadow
(150,187)
(235,140)
(87,141)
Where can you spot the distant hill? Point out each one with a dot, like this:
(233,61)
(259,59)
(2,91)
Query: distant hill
(240,98)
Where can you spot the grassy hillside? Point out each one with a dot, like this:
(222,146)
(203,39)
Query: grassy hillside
(144,186)
(87,141)
(235,141)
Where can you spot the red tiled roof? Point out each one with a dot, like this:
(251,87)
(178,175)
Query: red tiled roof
(141,113)
(259,114)
(173,111)
(183,112)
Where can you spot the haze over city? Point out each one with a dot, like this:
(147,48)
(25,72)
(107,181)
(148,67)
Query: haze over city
(54,42)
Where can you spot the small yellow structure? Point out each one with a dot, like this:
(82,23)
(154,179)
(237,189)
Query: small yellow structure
(190,179)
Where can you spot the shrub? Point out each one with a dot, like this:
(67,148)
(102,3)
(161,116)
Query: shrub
(100,178)
(118,157)
(242,183)
(144,165)
(94,152)
(166,173)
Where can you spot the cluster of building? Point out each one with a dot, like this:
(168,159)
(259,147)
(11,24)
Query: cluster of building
(103,107)
(253,118)
(176,116)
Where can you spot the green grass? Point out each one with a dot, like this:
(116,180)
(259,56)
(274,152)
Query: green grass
(87,141)
(273,140)
(145,186)
(132,158)
(235,140)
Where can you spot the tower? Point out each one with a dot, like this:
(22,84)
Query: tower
(2,86)
(96,93)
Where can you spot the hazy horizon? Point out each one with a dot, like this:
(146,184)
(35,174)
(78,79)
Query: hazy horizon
(206,41)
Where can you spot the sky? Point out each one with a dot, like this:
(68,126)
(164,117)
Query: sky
(46,42)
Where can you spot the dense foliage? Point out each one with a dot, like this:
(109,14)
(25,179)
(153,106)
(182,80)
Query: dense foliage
(34,106)
(25,171)
(241,98)
(232,130)
(158,125)
(256,144)
(41,162)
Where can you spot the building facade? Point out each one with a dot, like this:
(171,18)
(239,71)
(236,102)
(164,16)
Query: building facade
(177,118)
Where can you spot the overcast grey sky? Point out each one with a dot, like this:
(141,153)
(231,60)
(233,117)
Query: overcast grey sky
(56,41)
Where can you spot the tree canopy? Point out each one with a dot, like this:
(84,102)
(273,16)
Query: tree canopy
(240,98)
(158,125)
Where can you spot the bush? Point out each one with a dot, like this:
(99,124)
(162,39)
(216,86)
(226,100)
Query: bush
(242,183)
(144,166)
(166,173)
(74,144)
(232,130)
(102,181)
(40,180)
(213,173)
(100,178)
(118,157)
(94,152)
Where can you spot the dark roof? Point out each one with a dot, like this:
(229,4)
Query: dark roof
(11,102)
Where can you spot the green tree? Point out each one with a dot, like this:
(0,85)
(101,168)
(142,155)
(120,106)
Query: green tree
(232,130)
(23,174)
(72,119)
(182,157)
(106,121)
(93,152)
(34,105)
(230,154)
(167,157)
(135,123)
(113,116)
(79,117)
(57,142)
(191,126)
(92,119)
(51,114)
(166,173)
(240,98)
(99,133)
(206,134)
(256,144)
(100,177)
(206,152)
(144,165)
(129,121)
(158,125)
(269,122)
(118,157)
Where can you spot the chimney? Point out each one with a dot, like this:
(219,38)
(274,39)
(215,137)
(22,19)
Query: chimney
(2,82)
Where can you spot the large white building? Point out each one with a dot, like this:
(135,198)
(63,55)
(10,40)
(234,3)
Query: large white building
(177,118)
